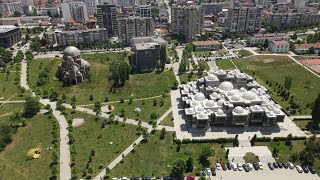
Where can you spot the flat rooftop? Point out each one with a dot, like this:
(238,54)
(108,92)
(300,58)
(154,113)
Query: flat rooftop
(5,30)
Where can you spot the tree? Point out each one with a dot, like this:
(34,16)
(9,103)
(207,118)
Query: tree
(19,56)
(123,112)
(15,118)
(316,112)
(162,133)
(189,165)
(32,106)
(154,125)
(120,71)
(97,107)
(206,152)
(178,168)
(17,14)
(5,55)
(287,82)
(145,134)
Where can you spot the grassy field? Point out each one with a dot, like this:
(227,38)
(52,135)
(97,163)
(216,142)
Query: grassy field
(222,52)
(184,78)
(155,157)
(202,53)
(204,64)
(6,110)
(100,86)
(147,108)
(303,124)
(168,121)
(107,142)
(281,66)
(244,53)
(304,36)
(251,158)
(225,64)
(9,88)
(14,163)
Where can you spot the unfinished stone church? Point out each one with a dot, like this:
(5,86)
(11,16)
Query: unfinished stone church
(230,99)
(73,69)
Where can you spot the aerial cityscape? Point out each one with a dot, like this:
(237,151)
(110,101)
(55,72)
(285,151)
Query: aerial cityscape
(160,89)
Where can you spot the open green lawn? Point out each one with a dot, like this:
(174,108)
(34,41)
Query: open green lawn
(251,158)
(9,88)
(14,163)
(168,121)
(147,108)
(304,36)
(139,85)
(303,124)
(108,142)
(222,51)
(184,78)
(8,109)
(202,53)
(204,64)
(244,53)
(156,157)
(275,69)
(225,64)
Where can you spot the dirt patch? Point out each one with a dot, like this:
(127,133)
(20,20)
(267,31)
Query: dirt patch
(77,122)
(268,59)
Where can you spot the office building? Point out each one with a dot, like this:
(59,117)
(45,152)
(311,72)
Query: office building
(74,10)
(9,35)
(257,39)
(186,21)
(245,17)
(279,46)
(145,11)
(130,27)
(107,18)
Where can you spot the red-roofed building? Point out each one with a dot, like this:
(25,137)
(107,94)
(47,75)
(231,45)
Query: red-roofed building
(304,48)
(279,46)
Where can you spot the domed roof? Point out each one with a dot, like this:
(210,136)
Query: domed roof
(220,102)
(71,51)
(235,97)
(201,115)
(199,97)
(249,95)
(226,86)
(220,112)
(210,103)
(190,110)
(84,63)
(242,89)
(212,77)
(256,107)
(277,111)
(238,110)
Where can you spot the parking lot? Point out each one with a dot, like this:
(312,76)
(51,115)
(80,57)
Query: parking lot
(266,174)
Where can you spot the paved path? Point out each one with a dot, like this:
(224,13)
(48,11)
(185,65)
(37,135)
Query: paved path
(18,101)
(23,78)
(213,65)
(65,169)
(301,117)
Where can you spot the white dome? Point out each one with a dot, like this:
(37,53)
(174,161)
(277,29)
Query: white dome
(220,102)
(71,51)
(220,112)
(249,95)
(242,89)
(211,71)
(199,97)
(256,107)
(194,103)
(210,103)
(212,77)
(238,110)
(235,97)
(202,115)
(226,86)
(190,111)
(215,94)
(277,111)
(221,71)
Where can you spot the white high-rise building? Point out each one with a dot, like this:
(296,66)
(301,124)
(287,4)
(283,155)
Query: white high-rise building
(91,6)
(74,10)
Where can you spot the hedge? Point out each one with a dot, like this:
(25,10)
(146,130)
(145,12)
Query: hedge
(293,138)
(219,140)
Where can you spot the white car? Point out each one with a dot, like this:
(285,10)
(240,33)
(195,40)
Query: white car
(114,178)
(291,166)
(234,166)
(208,171)
(250,166)
(240,168)
(299,169)
(218,166)
(260,165)
(124,178)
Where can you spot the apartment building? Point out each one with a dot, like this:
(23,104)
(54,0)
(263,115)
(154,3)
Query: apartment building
(130,27)
(107,18)
(245,17)
(91,6)
(8,8)
(212,8)
(186,21)
(145,11)
(88,36)
(75,10)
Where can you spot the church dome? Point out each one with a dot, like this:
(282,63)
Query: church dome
(210,103)
(238,110)
(71,51)
(235,97)
(249,95)
(226,86)
(220,102)
(220,112)
(277,111)
(256,107)
(212,77)
(199,97)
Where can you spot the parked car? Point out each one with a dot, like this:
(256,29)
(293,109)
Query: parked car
(305,169)
(240,167)
(224,167)
(204,173)
(213,170)
(280,165)
(291,166)
(299,169)
(256,166)
(124,178)
(245,167)
(159,178)
(311,170)
(56,56)
(271,166)
(260,165)
(208,171)
(190,177)
(218,166)
(167,178)
(285,165)
(229,166)
(250,166)
(234,167)
(275,165)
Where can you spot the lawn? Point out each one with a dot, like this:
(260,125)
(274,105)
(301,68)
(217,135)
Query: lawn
(156,157)
(303,124)
(222,52)
(184,78)
(147,108)
(225,64)
(9,88)
(251,158)
(107,142)
(6,110)
(275,69)
(303,37)
(204,65)
(244,53)
(202,53)
(100,85)
(14,163)
(168,121)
